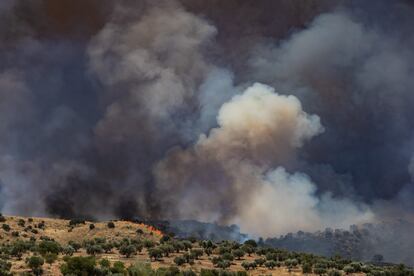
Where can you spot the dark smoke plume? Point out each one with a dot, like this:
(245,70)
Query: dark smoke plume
(278,115)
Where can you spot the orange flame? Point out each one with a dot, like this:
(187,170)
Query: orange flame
(151,229)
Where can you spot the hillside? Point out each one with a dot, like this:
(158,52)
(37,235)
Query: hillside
(55,247)
(392,240)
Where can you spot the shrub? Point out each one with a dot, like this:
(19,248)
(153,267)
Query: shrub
(334,272)
(139,247)
(75,245)
(366,268)
(140,268)
(149,243)
(251,243)
(216,260)
(223,264)
(179,260)
(99,241)
(208,272)
(207,244)
(270,264)
(47,246)
(319,270)
(94,249)
(107,247)
(21,222)
(35,263)
(248,265)
(68,250)
(17,248)
(78,266)
(5,267)
(270,256)
(41,225)
(91,226)
(76,221)
(166,249)
(348,269)
(155,253)
(2,218)
(238,254)
(227,256)
(111,224)
(105,263)
(192,239)
(127,250)
(248,249)
(6,227)
(261,261)
(291,262)
(15,233)
(50,258)
(118,267)
(224,249)
(306,268)
(356,266)
(165,238)
(208,251)
(187,245)
(196,253)
(188,273)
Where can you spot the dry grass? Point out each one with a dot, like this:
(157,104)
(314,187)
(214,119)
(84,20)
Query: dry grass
(60,231)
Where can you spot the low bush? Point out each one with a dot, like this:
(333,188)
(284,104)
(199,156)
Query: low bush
(111,224)
(6,227)
(76,221)
(35,263)
(78,266)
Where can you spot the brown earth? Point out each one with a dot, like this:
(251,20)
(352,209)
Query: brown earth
(60,231)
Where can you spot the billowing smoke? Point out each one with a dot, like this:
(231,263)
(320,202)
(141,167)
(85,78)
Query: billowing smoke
(278,115)
(354,72)
(235,169)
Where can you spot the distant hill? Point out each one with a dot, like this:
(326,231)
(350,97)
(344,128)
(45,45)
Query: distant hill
(394,241)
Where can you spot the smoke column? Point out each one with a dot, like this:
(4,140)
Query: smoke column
(278,116)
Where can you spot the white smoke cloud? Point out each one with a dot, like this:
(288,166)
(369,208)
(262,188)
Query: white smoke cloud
(230,174)
(284,202)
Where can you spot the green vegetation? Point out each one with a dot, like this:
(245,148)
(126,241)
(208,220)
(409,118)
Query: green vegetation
(5,267)
(35,263)
(6,227)
(79,266)
(76,221)
(175,256)
(111,224)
